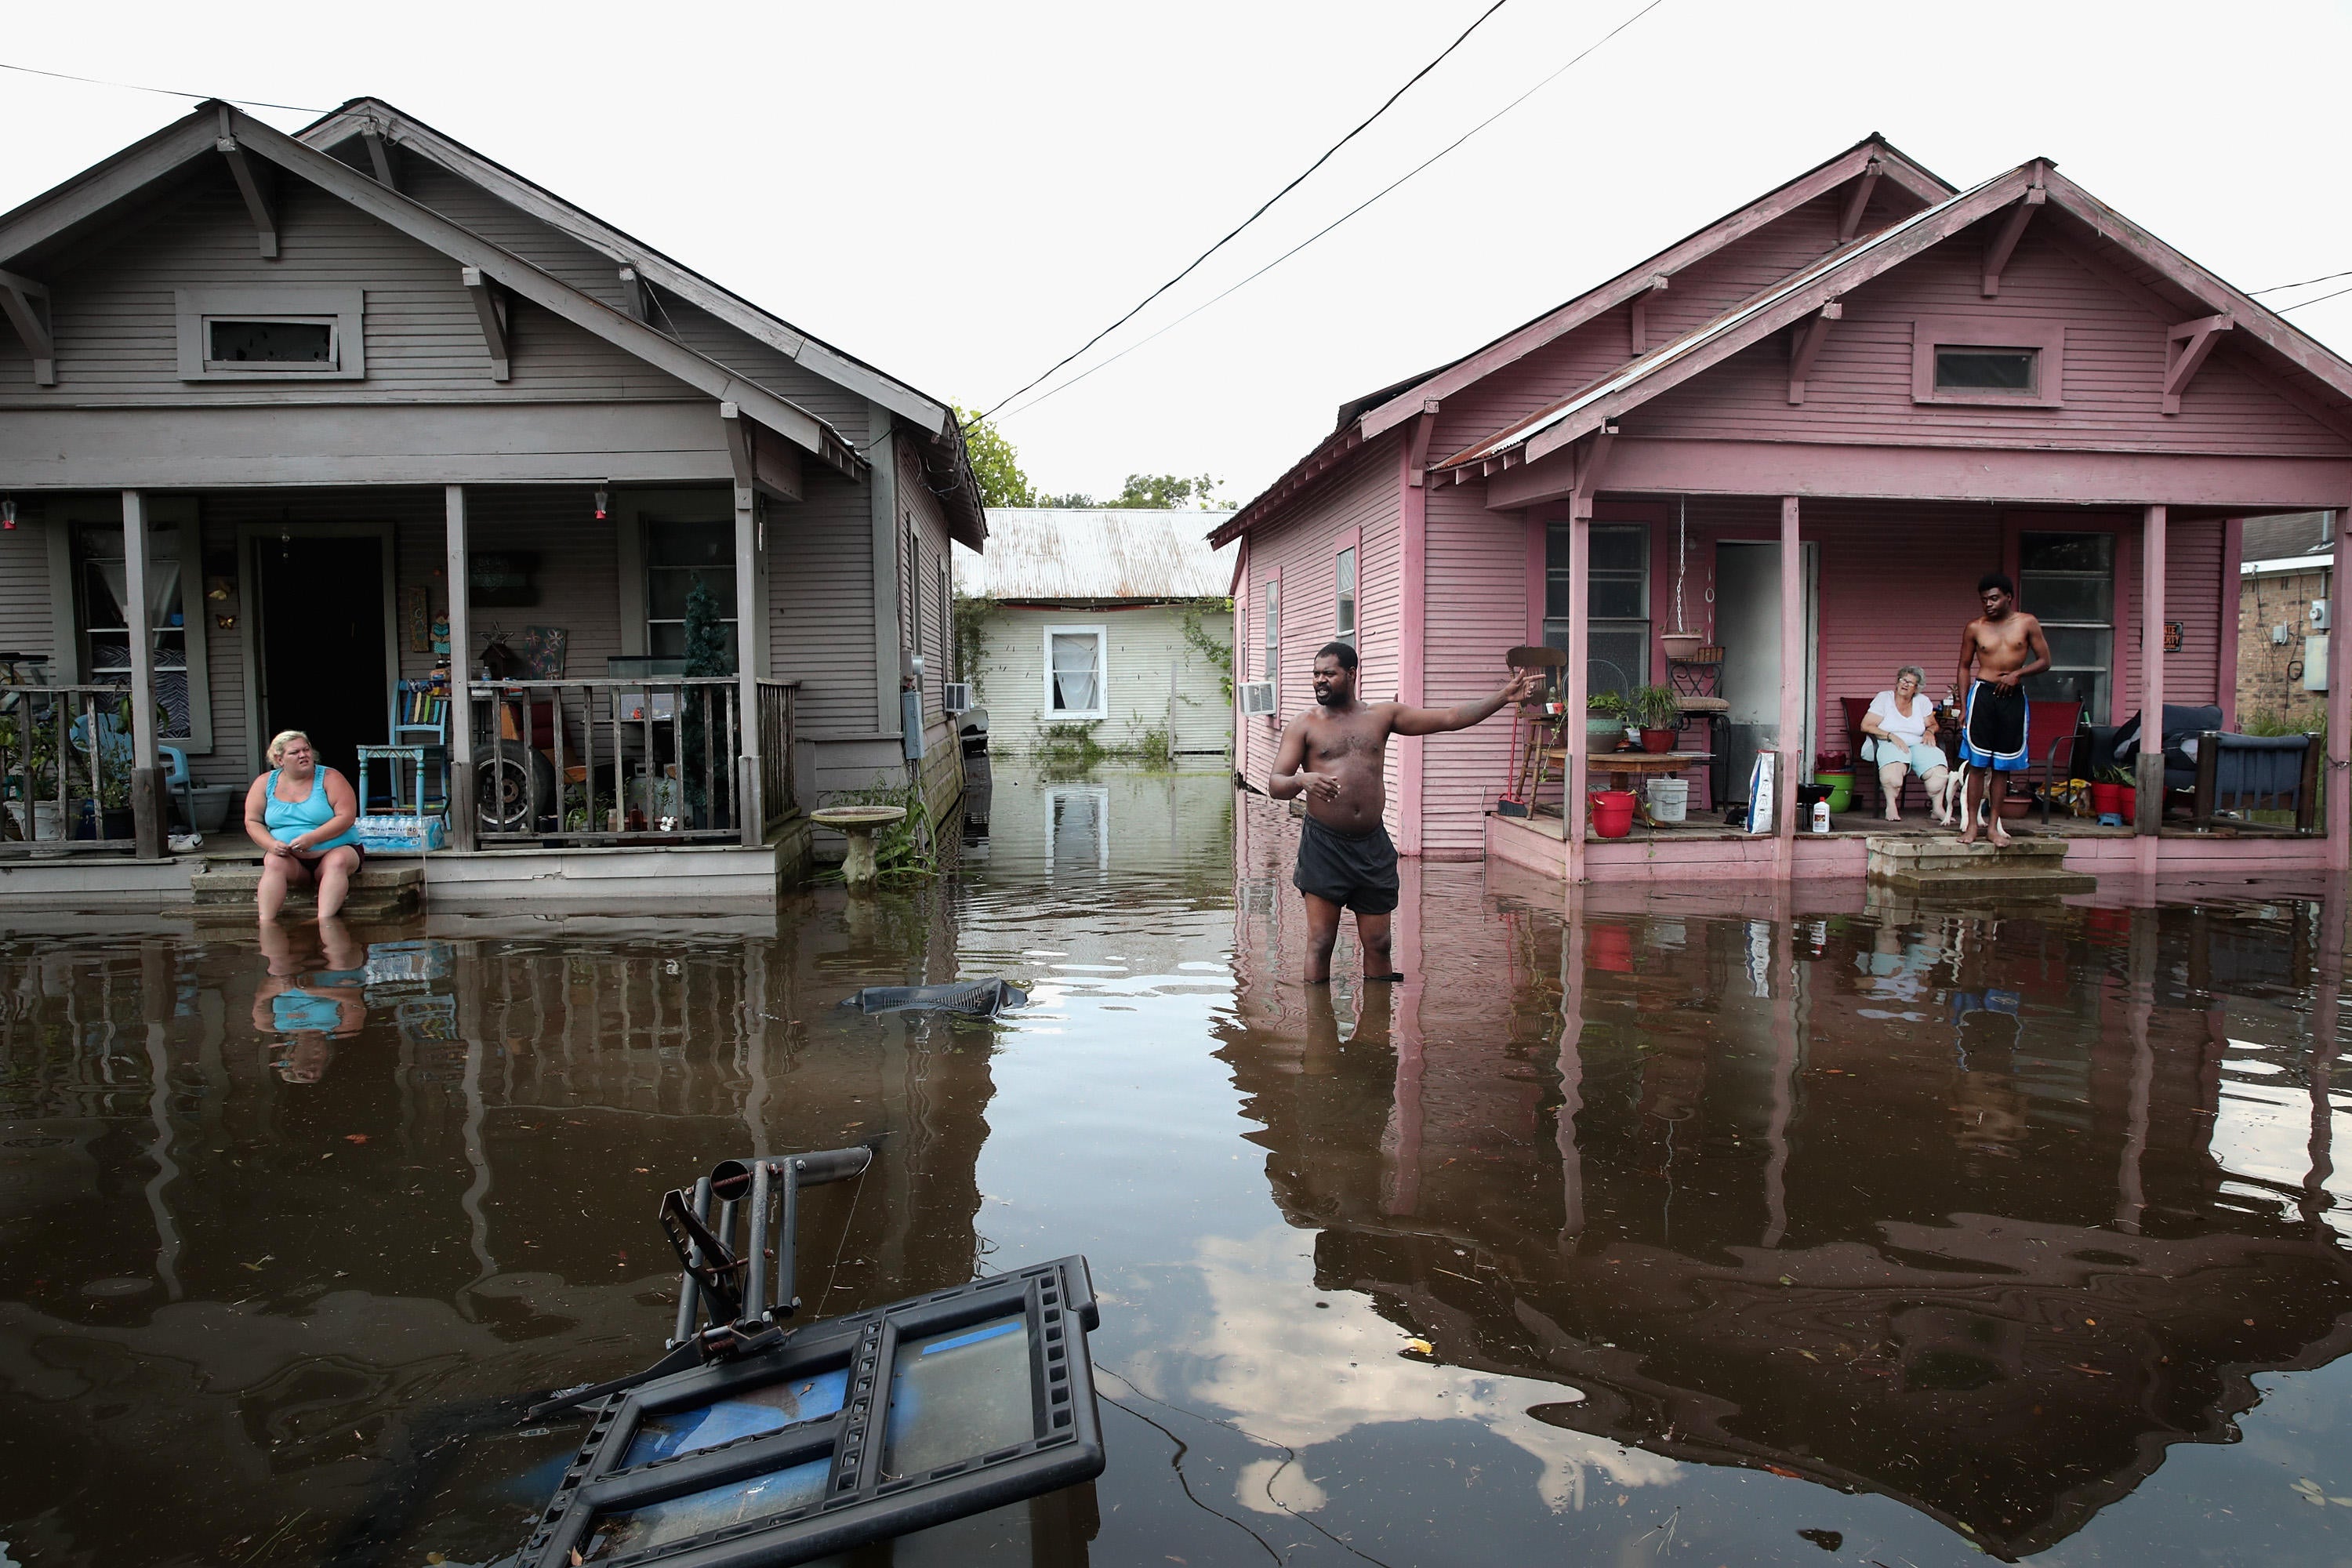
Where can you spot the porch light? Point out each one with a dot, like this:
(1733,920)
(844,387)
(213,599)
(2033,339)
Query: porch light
(8,514)
(600,503)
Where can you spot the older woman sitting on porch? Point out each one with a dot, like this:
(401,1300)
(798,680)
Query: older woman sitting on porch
(301,816)
(1901,727)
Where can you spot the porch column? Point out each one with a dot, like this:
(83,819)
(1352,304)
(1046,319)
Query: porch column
(2337,783)
(463,807)
(146,779)
(1576,685)
(751,663)
(2149,815)
(1793,688)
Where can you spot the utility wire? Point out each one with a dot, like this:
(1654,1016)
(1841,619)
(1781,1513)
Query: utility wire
(2282,287)
(1335,223)
(165,91)
(1261,211)
(2299,304)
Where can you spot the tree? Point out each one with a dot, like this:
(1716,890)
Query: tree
(1167,490)
(995,465)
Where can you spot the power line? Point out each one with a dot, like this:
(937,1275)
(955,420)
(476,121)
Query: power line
(1343,217)
(2282,287)
(165,91)
(2299,304)
(1261,211)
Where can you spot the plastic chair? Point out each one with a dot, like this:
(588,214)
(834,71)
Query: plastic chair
(115,751)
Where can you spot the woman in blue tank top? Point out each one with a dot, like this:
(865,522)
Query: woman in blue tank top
(301,816)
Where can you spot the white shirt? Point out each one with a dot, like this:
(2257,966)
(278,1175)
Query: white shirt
(1910,730)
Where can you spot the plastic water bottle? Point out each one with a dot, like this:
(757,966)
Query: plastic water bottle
(1821,817)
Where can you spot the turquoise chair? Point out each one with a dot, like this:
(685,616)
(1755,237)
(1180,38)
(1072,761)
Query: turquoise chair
(115,752)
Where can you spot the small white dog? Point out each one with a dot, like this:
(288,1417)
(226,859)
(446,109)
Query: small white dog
(1944,799)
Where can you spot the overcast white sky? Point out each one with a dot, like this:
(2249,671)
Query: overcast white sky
(963,193)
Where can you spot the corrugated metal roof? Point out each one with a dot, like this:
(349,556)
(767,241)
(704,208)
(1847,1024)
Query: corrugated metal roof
(1102,552)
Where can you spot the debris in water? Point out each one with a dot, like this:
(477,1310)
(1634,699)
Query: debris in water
(979,999)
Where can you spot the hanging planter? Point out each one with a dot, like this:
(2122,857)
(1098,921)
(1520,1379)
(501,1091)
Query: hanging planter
(1682,645)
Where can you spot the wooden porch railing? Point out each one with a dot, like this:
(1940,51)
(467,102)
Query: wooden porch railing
(65,769)
(608,760)
(778,719)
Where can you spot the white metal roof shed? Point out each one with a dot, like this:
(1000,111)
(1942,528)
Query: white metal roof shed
(1096,553)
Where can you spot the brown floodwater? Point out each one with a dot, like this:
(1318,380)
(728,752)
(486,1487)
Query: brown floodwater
(1709,1227)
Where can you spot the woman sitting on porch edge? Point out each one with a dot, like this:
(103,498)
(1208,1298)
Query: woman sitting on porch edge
(301,816)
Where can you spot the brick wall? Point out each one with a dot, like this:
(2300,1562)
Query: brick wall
(2270,675)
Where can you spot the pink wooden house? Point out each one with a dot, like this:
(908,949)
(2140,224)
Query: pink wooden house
(1803,433)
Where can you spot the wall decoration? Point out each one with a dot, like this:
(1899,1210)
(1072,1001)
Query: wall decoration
(502,578)
(416,614)
(542,652)
(2172,634)
(441,638)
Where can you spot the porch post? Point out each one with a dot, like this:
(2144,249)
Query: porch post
(751,663)
(146,781)
(2338,787)
(1576,687)
(2149,815)
(1793,688)
(463,807)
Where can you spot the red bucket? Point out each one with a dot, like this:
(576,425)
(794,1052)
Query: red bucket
(1612,811)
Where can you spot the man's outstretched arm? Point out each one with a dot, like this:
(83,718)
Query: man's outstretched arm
(1437,720)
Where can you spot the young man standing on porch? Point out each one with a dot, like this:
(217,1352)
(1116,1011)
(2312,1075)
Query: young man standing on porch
(2005,644)
(1345,858)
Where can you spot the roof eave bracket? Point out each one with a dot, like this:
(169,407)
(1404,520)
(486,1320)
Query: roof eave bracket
(2185,348)
(1806,344)
(491,310)
(1850,221)
(255,183)
(2004,245)
(26,305)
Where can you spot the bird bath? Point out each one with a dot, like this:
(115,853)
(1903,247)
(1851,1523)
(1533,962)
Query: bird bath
(859,822)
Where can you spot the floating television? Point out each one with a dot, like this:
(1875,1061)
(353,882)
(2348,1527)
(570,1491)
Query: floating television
(755,1443)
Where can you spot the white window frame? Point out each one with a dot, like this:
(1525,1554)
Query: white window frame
(344,308)
(1101,633)
(1344,575)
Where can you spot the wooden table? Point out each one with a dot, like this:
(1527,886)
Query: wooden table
(1624,767)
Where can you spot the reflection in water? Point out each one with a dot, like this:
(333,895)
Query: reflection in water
(1728,1229)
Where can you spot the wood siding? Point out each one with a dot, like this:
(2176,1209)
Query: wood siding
(1154,677)
(26,619)
(1303,547)
(117,327)
(1860,385)
(821,598)
(1477,611)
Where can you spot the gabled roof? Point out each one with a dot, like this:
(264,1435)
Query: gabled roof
(1869,162)
(364,116)
(1872,158)
(2290,534)
(1098,553)
(1548,429)
(69,208)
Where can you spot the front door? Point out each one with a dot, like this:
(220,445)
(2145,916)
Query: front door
(322,643)
(1748,625)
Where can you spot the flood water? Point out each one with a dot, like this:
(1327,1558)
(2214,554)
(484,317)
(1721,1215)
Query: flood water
(1713,1229)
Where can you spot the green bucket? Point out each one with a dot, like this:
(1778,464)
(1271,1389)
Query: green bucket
(1841,789)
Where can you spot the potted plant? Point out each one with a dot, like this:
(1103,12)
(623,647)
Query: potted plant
(1605,717)
(1659,709)
(2113,793)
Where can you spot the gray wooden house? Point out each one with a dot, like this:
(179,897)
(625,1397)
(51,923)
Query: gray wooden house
(279,414)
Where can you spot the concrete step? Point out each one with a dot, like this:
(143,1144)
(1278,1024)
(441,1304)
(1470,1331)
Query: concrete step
(1994,882)
(225,891)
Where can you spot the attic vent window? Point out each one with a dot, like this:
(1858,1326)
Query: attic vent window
(233,342)
(280,332)
(1985,369)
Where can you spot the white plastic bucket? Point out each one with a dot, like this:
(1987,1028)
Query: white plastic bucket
(1669,798)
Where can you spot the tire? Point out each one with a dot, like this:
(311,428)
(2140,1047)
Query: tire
(504,781)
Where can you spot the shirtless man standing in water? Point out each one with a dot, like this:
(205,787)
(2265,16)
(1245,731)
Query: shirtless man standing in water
(1334,755)
(2005,644)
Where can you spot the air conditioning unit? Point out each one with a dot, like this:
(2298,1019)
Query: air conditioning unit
(955,696)
(1257,697)
(2319,617)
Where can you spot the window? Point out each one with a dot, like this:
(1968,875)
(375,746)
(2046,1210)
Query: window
(2068,581)
(1273,667)
(1344,624)
(1617,646)
(1074,673)
(102,589)
(677,554)
(1985,369)
(1989,360)
(297,332)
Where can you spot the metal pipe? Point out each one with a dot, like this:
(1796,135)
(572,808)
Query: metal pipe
(689,1294)
(755,1244)
(787,1295)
